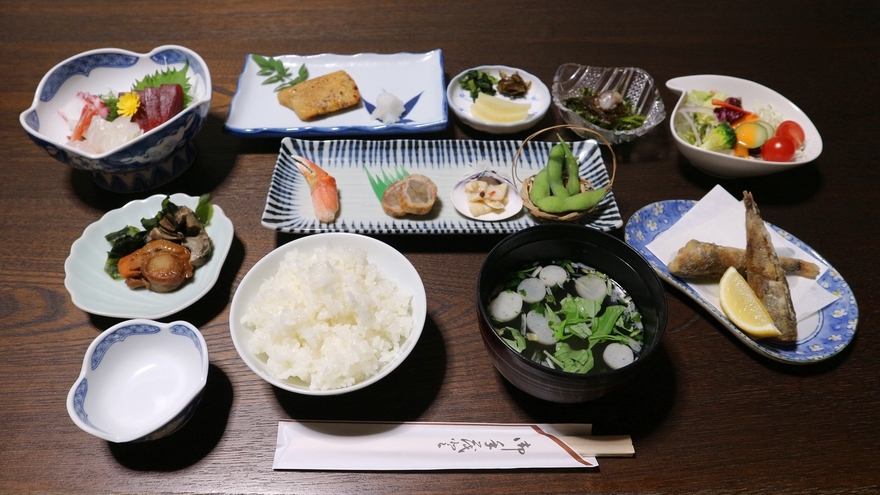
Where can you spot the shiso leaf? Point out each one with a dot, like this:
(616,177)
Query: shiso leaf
(168,76)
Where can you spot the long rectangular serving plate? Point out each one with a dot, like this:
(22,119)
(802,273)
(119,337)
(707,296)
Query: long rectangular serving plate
(446,162)
(415,78)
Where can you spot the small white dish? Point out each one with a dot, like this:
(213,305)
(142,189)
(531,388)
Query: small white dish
(95,292)
(729,166)
(538,96)
(391,263)
(415,78)
(514,200)
(140,380)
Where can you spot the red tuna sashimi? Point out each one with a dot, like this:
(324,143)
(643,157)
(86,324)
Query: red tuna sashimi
(171,101)
(153,106)
(140,117)
(158,105)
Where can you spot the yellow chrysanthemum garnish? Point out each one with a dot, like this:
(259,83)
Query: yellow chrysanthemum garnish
(128,104)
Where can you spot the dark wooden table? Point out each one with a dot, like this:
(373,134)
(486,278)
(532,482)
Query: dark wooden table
(706,415)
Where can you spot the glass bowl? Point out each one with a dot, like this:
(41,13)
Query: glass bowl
(632,83)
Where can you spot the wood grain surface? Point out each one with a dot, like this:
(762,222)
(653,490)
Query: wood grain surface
(707,415)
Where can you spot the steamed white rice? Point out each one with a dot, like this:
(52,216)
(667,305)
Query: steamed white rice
(328,318)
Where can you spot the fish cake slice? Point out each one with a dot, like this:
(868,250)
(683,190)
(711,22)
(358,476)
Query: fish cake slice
(322,95)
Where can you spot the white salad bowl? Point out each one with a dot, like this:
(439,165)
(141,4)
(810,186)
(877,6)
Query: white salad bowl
(390,263)
(146,162)
(140,380)
(538,96)
(726,165)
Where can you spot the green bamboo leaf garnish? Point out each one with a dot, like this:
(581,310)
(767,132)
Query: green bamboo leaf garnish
(276,72)
(379,184)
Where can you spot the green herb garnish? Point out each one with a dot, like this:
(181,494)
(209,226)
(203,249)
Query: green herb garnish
(111,100)
(168,76)
(277,72)
(379,184)
(477,82)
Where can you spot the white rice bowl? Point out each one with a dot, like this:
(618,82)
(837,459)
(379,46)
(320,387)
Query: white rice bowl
(328,313)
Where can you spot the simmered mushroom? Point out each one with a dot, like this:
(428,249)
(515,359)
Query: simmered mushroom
(184,227)
(513,86)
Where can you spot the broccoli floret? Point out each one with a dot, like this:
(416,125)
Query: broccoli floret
(721,138)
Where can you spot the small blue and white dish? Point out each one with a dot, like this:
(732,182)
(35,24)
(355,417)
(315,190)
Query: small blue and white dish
(141,380)
(537,96)
(146,162)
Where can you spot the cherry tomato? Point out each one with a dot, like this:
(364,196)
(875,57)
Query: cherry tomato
(778,149)
(792,130)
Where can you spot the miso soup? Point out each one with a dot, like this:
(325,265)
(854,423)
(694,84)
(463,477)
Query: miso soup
(568,316)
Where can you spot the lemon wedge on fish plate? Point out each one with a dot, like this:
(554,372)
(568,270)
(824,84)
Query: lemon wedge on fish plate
(742,306)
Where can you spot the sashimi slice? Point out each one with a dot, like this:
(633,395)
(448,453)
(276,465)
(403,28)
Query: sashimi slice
(171,101)
(153,105)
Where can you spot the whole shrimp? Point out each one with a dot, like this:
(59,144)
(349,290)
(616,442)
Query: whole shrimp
(325,196)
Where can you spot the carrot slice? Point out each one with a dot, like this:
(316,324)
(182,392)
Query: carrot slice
(724,104)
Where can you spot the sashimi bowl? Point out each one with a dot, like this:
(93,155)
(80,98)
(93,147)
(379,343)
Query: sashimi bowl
(74,104)
(567,313)
(141,380)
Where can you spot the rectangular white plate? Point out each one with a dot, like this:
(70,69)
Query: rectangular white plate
(446,162)
(415,78)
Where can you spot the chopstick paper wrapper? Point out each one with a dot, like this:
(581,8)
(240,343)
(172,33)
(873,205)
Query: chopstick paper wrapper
(410,446)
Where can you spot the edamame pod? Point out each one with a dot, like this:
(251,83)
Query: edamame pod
(573,182)
(540,186)
(578,202)
(554,171)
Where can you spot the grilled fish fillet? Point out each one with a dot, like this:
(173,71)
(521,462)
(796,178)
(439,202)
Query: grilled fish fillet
(321,95)
(707,260)
(765,274)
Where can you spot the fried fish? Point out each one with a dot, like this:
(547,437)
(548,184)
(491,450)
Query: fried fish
(699,259)
(765,274)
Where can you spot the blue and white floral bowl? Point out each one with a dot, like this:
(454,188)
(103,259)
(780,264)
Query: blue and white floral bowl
(140,380)
(152,159)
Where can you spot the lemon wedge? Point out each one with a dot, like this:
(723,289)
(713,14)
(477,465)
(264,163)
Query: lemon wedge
(743,308)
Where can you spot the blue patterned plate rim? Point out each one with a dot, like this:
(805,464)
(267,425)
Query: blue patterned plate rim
(835,325)
(354,163)
(415,78)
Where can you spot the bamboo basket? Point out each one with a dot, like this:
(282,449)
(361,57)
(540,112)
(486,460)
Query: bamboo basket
(585,184)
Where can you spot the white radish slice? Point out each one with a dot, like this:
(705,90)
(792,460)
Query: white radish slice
(617,356)
(591,287)
(506,306)
(540,327)
(553,275)
(532,289)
